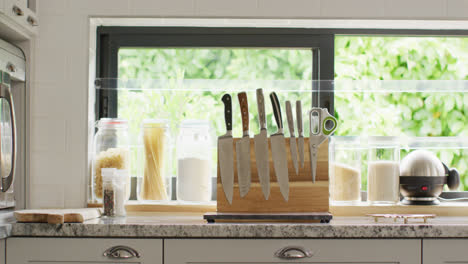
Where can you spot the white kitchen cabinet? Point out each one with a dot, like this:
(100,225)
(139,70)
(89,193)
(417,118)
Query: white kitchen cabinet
(18,11)
(370,251)
(82,250)
(17,21)
(445,251)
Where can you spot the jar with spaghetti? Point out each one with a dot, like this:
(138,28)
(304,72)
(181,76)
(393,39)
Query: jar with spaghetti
(111,150)
(154,181)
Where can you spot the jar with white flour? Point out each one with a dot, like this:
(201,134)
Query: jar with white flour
(383,171)
(194,161)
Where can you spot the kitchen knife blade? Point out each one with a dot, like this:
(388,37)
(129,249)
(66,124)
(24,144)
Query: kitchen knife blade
(226,151)
(292,137)
(243,148)
(278,150)
(300,138)
(261,147)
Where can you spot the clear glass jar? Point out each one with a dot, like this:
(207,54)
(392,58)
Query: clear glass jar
(383,171)
(154,180)
(345,170)
(194,161)
(120,192)
(111,150)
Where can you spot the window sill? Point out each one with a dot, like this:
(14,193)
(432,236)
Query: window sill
(361,209)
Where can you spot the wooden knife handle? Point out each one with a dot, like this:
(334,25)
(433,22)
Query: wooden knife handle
(227,111)
(276,110)
(299,117)
(244,107)
(261,108)
(290,118)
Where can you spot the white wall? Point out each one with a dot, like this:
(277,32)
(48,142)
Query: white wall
(59,97)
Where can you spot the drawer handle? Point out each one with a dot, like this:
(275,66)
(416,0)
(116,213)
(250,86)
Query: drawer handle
(121,252)
(293,252)
(32,21)
(11,67)
(17,11)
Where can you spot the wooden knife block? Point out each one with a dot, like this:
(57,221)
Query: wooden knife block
(304,195)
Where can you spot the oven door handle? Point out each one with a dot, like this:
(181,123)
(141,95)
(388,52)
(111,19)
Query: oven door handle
(8,181)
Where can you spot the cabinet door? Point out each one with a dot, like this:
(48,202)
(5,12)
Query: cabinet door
(445,251)
(200,251)
(82,250)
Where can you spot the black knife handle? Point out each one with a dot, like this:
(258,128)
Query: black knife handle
(244,107)
(276,110)
(227,111)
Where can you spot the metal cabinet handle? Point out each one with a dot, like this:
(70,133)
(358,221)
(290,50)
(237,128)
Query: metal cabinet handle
(11,67)
(293,252)
(32,21)
(121,252)
(17,11)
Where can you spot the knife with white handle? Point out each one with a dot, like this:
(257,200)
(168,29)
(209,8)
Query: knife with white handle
(278,150)
(243,148)
(300,138)
(226,151)
(292,137)
(261,147)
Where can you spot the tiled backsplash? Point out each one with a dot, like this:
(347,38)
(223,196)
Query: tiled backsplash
(59,103)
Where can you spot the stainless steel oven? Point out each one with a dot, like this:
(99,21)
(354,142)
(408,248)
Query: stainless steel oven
(12,76)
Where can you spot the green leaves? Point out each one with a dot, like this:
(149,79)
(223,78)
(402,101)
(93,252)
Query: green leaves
(409,113)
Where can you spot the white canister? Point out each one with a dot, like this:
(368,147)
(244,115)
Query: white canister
(194,161)
(383,171)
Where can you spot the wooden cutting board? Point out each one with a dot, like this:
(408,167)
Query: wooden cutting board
(57,216)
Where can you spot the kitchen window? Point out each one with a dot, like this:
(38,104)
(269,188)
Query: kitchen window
(181,73)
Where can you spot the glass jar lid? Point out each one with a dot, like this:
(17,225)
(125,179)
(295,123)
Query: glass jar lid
(383,140)
(189,123)
(345,142)
(112,123)
(149,123)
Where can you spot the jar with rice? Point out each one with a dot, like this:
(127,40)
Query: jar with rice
(345,170)
(111,150)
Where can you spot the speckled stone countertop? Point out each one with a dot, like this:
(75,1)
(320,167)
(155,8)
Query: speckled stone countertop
(192,226)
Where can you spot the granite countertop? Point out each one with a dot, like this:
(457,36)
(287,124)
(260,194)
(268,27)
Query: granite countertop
(192,226)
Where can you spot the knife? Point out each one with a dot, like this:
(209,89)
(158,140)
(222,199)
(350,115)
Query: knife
(261,147)
(292,137)
(300,139)
(278,150)
(243,148)
(226,152)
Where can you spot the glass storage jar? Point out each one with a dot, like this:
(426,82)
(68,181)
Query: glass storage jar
(345,170)
(194,161)
(383,170)
(111,150)
(154,180)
